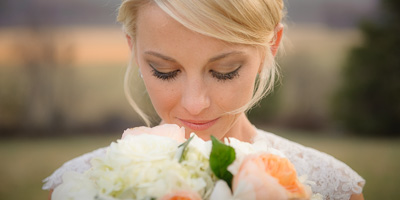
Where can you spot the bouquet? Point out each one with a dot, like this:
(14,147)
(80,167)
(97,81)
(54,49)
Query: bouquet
(159,163)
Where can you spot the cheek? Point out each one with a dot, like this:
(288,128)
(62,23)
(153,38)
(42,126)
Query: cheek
(162,95)
(231,96)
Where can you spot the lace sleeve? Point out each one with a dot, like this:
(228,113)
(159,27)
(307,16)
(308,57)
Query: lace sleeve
(333,179)
(79,164)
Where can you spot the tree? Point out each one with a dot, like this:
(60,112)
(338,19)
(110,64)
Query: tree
(369,100)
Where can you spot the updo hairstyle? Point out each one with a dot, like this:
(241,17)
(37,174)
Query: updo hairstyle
(248,22)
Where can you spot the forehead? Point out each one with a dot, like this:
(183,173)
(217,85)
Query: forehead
(153,21)
(151,16)
(156,28)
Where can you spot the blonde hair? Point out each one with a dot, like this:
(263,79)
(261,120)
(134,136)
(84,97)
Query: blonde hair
(250,22)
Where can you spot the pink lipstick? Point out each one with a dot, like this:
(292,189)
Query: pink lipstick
(198,125)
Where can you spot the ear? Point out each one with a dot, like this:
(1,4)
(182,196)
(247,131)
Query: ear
(277,39)
(129,40)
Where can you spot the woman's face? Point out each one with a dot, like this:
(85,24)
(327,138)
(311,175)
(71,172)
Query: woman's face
(194,80)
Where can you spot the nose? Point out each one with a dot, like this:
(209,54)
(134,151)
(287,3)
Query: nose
(195,98)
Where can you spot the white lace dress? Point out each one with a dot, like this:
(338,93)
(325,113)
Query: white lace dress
(333,179)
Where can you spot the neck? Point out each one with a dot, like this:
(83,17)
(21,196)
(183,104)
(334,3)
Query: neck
(242,130)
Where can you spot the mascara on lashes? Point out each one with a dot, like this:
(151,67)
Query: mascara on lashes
(226,76)
(217,75)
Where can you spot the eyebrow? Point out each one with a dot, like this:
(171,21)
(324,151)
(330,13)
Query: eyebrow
(224,55)
(160,56)
(213,59)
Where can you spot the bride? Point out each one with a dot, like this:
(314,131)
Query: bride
(204,64)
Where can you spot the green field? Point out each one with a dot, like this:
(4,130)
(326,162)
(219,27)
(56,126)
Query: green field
(25,162)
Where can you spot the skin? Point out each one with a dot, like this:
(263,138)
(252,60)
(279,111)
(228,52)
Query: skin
(195,98)
(357,197)
(194,95)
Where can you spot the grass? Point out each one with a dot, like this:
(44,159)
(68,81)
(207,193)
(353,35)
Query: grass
(26,162)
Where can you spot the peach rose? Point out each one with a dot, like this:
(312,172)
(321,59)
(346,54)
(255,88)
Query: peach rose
(272,177)
(172,131)
(181,195)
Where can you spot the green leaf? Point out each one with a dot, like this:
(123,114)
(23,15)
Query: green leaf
(185,144)
(220,158)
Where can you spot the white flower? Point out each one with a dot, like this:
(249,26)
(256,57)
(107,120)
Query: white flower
(204,147)
(196,160)
(151,163)
(243,192)
(142,166)
(172,131)
(138,166)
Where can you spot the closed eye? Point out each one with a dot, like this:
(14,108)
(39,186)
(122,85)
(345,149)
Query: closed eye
(225,76)
(164,75)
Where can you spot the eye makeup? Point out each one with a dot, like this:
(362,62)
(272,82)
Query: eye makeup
(222,68)
(215,74)
(225,76)
(164,75)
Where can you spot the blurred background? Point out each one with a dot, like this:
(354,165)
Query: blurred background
(62,65)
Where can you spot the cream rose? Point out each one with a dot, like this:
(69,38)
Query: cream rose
(172,131)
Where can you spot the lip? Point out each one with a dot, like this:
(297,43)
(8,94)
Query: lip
(198,125)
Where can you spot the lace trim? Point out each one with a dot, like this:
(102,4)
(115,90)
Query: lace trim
(79,164)
(333,179)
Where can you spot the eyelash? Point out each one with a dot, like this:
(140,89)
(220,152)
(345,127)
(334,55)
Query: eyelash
(219,76)
(165,76)
(227,76)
